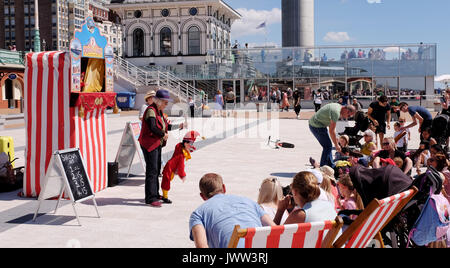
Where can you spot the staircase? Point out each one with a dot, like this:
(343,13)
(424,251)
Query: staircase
(141,78)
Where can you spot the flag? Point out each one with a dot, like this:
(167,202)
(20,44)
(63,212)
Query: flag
(262,25)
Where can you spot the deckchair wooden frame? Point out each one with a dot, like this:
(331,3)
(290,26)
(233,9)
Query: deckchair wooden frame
(364,216)
(327,242)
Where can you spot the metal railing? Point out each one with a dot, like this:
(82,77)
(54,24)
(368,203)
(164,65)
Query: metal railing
(140,77)
(12,57)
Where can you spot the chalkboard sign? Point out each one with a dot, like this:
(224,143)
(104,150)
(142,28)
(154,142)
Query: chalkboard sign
(66,173)
(76,175)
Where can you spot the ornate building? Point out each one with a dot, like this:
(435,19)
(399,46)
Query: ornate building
(158,32)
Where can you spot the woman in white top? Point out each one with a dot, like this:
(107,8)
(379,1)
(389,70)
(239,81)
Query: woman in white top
(270,193)
(148,101)
(309,208)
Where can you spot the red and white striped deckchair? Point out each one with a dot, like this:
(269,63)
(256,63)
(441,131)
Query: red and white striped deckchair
(304,235)
(372,220)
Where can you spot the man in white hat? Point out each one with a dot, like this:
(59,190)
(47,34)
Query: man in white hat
(148,101)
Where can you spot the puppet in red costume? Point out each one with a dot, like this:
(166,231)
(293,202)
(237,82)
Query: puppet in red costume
(175,166)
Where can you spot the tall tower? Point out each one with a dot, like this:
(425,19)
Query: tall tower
(297,23)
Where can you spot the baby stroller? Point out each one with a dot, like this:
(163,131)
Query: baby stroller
(390,180)
(362,123)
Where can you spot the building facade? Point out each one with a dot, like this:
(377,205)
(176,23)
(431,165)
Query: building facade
(11,82)
(174,32)
(18,20)
(113,33)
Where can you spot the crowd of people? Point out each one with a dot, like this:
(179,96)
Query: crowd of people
(317,194)
(320,193)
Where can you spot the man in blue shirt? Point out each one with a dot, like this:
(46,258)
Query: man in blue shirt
(417,113)
(212,224)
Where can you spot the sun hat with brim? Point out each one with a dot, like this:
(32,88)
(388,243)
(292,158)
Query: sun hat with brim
(150,94)
(163,94)
(328,173)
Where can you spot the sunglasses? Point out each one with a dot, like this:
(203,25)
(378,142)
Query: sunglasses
(386,143)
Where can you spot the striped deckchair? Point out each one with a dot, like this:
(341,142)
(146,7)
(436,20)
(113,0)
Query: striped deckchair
(304,235)
(372,220)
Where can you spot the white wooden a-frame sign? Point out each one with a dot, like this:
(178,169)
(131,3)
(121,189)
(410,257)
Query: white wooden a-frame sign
(129,146)
(56,183)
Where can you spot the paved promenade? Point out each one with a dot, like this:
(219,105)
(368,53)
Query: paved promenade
(235,148)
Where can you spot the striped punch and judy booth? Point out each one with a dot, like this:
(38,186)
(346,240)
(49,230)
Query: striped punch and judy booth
(66,96)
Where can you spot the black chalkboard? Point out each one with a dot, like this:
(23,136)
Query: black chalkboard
(76,174)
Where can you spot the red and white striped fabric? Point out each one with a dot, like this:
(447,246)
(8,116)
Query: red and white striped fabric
(53,125)
(90,135)
(377,219)
(47,96)
(305,235)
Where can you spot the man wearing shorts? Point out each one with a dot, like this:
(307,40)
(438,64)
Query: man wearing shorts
(378,111)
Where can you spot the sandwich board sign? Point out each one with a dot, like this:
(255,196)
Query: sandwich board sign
(129,146)
(67,174)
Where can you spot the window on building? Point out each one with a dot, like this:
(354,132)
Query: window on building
(138,43)
(165,12)
(194,40)
(166,41)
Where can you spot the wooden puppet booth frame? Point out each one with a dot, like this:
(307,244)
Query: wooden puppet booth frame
(65,110)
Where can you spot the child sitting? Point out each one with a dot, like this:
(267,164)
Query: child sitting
(368,148)
(421,155)
(426,136)
(402,122)
(402,142)
(343,142)
(399,162)
(343,155)
(349,197)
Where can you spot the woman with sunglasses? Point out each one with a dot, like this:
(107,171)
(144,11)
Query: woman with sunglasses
(390,151)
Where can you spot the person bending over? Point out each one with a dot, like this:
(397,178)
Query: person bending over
(418,113)
(327,117)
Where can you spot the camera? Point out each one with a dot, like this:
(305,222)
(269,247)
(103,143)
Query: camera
(287,190)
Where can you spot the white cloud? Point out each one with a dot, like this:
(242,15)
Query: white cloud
(338,37)
(374,1)
(252,18)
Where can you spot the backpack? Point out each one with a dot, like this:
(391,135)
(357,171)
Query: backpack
(433,223)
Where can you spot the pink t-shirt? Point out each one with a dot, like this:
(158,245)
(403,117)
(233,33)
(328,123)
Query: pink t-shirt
(349,204)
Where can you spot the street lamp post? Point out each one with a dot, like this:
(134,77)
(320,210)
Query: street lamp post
(37,38)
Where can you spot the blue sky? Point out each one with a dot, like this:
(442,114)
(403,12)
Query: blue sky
(356,22)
